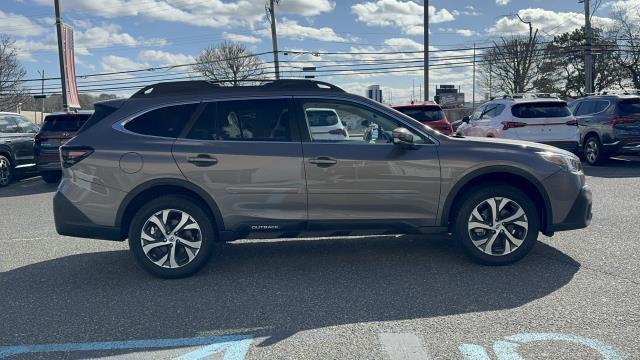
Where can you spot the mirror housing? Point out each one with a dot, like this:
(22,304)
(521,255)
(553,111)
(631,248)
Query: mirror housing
(403,137)
(466,119)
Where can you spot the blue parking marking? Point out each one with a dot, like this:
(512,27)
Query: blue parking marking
(233,347)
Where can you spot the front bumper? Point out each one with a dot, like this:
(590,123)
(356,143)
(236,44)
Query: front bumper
(72,222)
(580,215)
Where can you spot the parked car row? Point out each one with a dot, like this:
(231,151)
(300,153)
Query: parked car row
(25,146)
(595,127)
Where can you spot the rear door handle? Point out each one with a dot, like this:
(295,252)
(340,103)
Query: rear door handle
(323,161)
(202,160)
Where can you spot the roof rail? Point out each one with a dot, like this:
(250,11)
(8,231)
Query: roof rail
(534,95)
(198,86)
(618,92)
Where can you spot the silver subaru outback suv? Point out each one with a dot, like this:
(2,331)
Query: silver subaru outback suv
(180,167)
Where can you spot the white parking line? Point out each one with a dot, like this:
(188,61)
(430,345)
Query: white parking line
(403,346)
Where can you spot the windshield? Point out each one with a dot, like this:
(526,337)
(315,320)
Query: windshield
(541,110)
(630,107)
(322,118)
(66,122)
(424,114)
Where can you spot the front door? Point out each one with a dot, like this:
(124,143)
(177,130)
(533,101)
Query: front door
(365,178)
(246,155)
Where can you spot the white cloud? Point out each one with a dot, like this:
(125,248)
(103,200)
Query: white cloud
(19,25)
(109,35)
(292,30)
(213,13)
(406,15)
(240,38)
(113,63)
(165,58)
(502,2)
(548,21)
(463,32)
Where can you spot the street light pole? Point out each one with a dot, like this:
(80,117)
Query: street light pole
(588,55)
(426,50)
(271,12)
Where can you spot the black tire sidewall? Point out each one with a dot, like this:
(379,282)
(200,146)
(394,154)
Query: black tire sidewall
(11,171)
(474,199)
(194,209)
(601,156)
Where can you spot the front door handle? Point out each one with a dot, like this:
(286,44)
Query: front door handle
(202,160)
(323,161)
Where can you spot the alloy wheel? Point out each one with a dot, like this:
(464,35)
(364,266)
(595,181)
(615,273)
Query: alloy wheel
(592,151)
(171,238)
(5,172)
(498,226)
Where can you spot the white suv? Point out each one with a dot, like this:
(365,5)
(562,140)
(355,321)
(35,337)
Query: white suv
(543,120)
(325,124)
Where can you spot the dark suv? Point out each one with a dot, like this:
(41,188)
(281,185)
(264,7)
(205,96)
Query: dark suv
(178,167)
(609,125)
(56,130)
(16,145)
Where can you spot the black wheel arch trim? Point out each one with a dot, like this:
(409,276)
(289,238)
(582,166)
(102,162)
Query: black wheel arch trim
(546,226)
(213,206)
(6,151)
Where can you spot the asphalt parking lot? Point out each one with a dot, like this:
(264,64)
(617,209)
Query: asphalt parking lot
(575,296)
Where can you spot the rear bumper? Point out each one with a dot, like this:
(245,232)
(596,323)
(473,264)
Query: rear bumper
(580,215)
(48,161)
(72,222)
(623,147)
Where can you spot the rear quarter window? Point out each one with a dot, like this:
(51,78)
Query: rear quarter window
(164,122)
(540,110)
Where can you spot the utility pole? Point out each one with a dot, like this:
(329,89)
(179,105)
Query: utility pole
(473,105)
(271,16)
(426,50)
(42,98)
(413,91)
(65,105)
(490,80)
(588,55)
(420,91)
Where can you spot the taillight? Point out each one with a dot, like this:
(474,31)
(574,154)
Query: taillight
(340,131)
(72,155)
(573,122)
(40,138)
(506,125)
(616,120)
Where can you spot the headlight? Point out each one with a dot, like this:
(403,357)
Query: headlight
(568,162)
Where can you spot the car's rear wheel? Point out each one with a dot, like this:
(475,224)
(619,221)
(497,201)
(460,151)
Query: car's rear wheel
(172,237)
(593,152)
(497,225)
(51,177)
(6,171)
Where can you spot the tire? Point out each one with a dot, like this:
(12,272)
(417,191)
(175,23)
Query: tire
(158,259)
(512,239)
(51,177)
(593,151)
(6,171)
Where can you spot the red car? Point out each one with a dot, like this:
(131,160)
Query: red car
(430,114)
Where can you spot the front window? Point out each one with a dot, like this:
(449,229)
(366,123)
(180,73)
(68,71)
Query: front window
(338,121)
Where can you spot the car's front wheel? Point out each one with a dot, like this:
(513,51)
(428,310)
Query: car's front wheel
(6,171)
(497,225)
(171,237)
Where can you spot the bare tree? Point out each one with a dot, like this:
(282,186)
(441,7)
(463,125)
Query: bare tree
(511,65)
(626,33)
(11,75)
(230,64)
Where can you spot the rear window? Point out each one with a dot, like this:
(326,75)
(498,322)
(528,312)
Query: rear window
(424,114)
(66,123)
(321,118)
(629,107)
(541,110)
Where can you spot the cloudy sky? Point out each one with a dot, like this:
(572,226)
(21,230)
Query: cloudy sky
(120,35)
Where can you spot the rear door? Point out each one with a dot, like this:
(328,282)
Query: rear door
(543,121)
(247,155)
(366,179)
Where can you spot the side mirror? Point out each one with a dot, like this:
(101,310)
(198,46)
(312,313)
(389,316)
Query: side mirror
(403,137)
(466,119)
